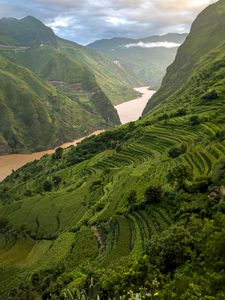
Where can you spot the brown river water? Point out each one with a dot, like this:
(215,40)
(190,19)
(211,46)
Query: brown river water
(128,111)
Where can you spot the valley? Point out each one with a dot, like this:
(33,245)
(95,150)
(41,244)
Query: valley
(127,111)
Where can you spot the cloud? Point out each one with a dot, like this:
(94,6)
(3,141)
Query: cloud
(87,20)
(153,45)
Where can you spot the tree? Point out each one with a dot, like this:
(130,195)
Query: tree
(58,153)
(153,194)
(178,175)
(47,186)
(132,198)
(195,120)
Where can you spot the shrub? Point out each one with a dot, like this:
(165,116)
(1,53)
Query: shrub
(178,175)
(58,153)
(177,151)
(153,194)
(180,112)
(47,186)
(211,95)
(194,120)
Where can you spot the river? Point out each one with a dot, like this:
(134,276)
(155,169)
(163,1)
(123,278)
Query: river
(132,110)
(128,111)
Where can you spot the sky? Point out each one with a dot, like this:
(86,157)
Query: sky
(85,21)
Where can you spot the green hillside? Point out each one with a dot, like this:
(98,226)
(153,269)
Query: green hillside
(28,31)
(207,33)
(35,115)
(140,208)
(148,63)
(35,45)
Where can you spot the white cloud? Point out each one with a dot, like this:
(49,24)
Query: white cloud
(60,22)
(116,21)
(87,20)
(153,45)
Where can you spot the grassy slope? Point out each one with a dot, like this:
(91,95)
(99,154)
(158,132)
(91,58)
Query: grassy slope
(58,224)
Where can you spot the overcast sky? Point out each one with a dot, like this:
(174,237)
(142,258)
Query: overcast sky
(84,21)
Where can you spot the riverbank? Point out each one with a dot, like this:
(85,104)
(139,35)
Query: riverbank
(127,111)
(11,162)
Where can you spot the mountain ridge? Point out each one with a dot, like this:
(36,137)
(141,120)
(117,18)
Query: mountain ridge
(149,64)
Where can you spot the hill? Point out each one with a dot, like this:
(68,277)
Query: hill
(148,58)
(35,116)
(23,40)
(28,31)
(140,208)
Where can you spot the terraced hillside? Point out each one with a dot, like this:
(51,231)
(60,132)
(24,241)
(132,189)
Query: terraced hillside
(139,206)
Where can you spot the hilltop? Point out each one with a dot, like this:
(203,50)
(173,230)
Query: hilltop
(140,206)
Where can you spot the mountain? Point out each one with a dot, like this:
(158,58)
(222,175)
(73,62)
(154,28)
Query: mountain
(82,80)
(148,58)
(28,31)
(139,208)
(29,37)
(207,34)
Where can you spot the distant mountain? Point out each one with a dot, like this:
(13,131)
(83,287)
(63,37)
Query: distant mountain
(34,40)
(148,57)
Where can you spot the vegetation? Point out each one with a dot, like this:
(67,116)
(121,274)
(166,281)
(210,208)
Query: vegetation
(142,223)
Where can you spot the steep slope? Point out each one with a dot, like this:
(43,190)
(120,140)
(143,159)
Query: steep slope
(35,116)
(207,33)
(148,58)
(152,190)
(28,36)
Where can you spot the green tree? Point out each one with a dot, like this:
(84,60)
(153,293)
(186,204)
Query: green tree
(132,198)
(58,153)
(178,175)
(153,194)
(47,186)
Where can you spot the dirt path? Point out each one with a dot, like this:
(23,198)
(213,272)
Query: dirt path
(101,240)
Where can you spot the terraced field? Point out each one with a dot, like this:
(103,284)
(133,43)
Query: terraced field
(50,209)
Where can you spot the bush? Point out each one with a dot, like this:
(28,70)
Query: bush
(178,175)
(177,151)
(47,186)
(180,112)
(58,153)
(212,95)
(195,120)
(153,194)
